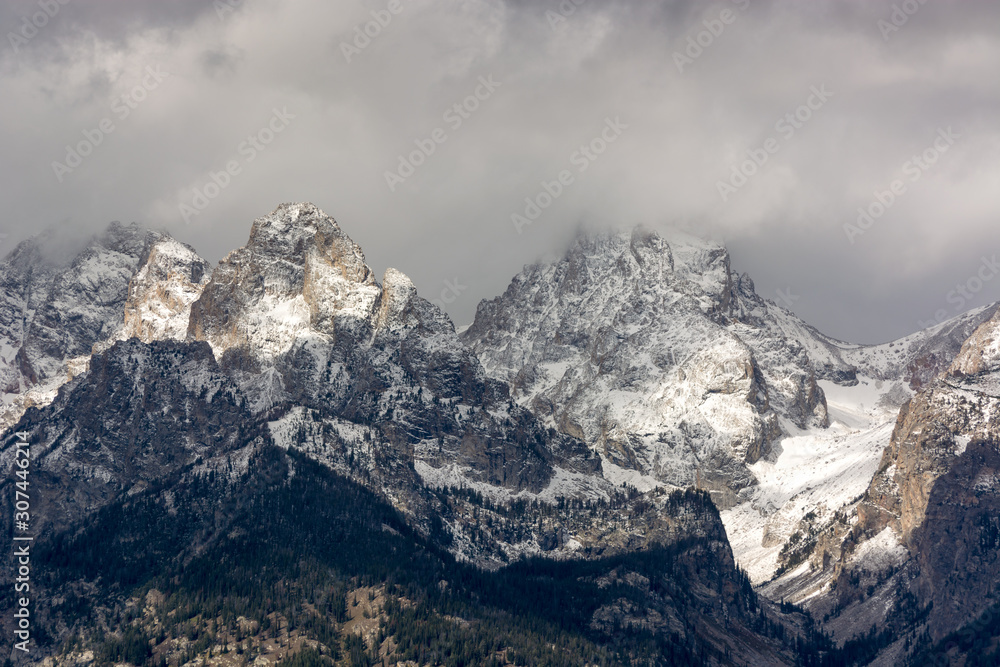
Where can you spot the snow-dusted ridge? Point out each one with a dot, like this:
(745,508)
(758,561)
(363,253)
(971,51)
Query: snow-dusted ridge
(646,347)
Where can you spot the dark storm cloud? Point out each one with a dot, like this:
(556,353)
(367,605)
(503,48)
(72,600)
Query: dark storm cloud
(257,103)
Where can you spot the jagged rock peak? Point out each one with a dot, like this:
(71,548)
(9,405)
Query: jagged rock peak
(300,275)
(623,344)
(295,230)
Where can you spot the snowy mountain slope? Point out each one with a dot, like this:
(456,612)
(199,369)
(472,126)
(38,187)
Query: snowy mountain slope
(312,353)
(556,425)
(815,479)
(368,378)
(944,416)
(808,494)
(807,498)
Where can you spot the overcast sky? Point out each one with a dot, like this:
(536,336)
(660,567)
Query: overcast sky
(669,98)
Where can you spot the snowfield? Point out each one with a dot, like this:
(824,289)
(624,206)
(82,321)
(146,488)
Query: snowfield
(820,470)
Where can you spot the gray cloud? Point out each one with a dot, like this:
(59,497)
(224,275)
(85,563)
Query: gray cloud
(223,75)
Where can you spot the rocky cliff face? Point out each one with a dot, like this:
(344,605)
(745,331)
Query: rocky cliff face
(921,558)
(932,435)
(160,294)
(655,353)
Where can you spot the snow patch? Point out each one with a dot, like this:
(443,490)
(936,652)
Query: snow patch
(880,553)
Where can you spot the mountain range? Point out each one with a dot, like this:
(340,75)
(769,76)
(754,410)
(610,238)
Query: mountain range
(628,457)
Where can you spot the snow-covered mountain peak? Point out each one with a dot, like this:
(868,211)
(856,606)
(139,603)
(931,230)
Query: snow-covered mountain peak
(624,342)
(299,275)
(642,256)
